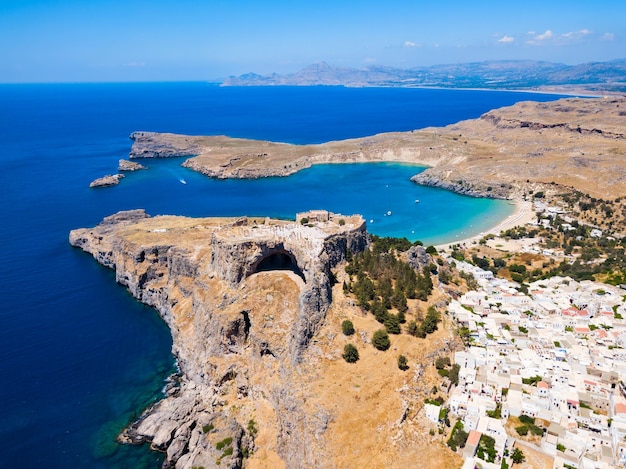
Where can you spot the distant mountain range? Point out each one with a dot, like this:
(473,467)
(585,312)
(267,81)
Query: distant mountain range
(505,74)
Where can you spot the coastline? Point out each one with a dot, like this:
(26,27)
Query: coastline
(522,215)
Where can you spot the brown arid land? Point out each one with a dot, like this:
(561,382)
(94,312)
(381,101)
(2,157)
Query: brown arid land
(573,143)
(260,348)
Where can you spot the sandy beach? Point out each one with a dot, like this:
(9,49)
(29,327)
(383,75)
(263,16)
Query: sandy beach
(522,215)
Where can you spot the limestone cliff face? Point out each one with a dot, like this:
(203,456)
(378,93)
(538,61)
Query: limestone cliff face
(159,145)
(502,154)
(243,298)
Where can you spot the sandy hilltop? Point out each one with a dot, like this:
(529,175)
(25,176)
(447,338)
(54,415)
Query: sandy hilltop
(256,306)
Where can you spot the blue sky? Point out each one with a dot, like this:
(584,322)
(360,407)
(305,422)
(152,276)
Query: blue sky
(157,40)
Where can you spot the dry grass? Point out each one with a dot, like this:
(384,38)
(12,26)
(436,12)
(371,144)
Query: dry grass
(573,142)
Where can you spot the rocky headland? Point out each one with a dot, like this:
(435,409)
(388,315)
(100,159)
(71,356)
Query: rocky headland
(243,299)
(255,308)
(570,143)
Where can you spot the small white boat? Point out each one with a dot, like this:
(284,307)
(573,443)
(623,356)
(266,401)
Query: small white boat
(389,213)
(182,181)
(417,201)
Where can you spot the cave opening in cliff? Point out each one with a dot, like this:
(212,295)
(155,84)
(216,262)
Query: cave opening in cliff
(279,260)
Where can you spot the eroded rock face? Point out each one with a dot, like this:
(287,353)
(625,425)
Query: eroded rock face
(125,165)
(156,145)
(243,298)
(108,180)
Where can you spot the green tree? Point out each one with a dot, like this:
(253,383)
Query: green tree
(458,440)
(518,457)
(454,374)
(429,325)
(350,353)
(380,339)
(415,330)
(398,300)
(379,310)
(442,362)
(401,317)
(347,327)
(402,363)
(392,324)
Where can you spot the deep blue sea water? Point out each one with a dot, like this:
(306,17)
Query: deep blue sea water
(79,357)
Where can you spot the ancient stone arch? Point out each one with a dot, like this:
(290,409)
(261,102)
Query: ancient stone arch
(277,259)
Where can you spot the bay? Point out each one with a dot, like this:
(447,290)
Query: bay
(79,357)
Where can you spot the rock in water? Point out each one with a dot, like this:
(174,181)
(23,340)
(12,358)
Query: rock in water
(109,180)
(125,165)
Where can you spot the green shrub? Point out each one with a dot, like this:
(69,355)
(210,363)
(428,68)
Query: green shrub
(208,427)
(518,457)
(402,363)
(526,419)
(522,430)
(442,362)
(454,374)
(350,353)
(225,442)
(380,340)
(432,250)
(415,330)
(252,428)
(347,327)
(304,220)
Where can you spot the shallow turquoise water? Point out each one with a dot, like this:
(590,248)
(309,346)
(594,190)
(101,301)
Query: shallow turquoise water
(381,192)
(79,357)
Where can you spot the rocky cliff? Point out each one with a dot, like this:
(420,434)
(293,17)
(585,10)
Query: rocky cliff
(522,148)
(243,299)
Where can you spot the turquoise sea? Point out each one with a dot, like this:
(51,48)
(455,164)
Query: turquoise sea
(79,357)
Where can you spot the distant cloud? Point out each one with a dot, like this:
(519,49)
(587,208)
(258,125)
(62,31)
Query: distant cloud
(558,39)
(545,36)
(608,36)
(410,44)
(577,34)
(506,39)
(538,39)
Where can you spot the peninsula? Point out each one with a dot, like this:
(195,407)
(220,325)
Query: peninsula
(254,307)
(572,143)
(594,77)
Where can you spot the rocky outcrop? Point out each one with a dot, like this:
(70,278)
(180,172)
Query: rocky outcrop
(108,180)
(418,258)
(243,298)
(159,145)
(445,178)
(125,165)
